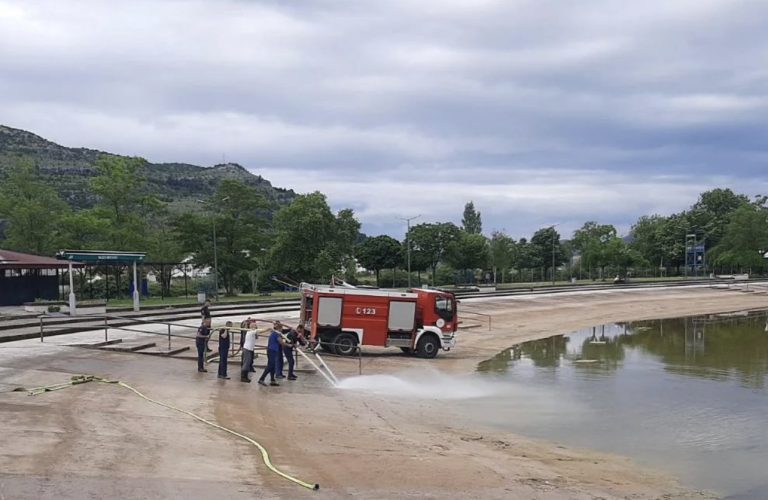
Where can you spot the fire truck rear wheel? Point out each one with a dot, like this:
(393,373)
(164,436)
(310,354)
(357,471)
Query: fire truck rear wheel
(428,346)
(346,344)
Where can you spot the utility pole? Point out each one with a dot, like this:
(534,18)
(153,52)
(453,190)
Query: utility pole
(215,249)
(215,261)
(408,243)
(553,257)
(553,226)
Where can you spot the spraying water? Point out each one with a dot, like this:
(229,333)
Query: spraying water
(422,384)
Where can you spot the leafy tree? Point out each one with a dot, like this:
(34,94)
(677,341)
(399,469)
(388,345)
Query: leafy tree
(380,252)
(745,239)
(83,230)
(671,237)
(33,210)
(621,256)
(432,241)
(311,243)
(712,212)
(163,248)
(238,212)
(598,244)
(468,251)
(124,202)
(419,260)
(526,257)
(347,237)
(546,248)
(471,222)
(646,238)
(502,253)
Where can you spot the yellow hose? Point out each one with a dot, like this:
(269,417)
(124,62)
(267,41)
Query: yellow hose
(81,379)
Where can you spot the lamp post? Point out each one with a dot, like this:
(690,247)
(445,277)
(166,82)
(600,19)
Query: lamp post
(553,226)
(215,250)
(408,243)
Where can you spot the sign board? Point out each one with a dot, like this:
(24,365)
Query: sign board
(97,256)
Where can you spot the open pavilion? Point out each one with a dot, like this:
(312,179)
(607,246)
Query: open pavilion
(25,277)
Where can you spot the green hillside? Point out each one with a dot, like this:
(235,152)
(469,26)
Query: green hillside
(179,184)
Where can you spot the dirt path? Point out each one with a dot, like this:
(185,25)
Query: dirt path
(97,442)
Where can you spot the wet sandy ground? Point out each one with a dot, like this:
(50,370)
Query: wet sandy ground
(101,441)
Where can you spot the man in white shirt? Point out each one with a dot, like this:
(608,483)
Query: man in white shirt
(248,346)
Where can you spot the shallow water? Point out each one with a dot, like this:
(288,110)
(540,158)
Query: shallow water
(683,395)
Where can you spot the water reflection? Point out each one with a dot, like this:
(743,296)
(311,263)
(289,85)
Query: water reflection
(688,395)
(715,347)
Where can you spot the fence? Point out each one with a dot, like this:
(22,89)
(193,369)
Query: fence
(107,322)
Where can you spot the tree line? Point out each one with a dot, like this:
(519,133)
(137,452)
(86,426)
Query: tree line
(307,241)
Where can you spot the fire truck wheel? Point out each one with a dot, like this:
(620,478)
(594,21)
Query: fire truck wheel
(428,346)
(346,344)
(407,350)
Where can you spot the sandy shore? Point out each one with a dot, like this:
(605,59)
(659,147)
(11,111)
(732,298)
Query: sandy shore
(97,441)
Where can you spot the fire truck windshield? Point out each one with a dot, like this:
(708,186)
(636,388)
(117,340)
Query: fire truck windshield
(444,308)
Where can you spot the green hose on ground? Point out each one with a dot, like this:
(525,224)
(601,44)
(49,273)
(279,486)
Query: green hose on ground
(82,379)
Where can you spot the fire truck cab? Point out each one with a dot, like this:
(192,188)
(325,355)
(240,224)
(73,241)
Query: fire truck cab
(419,321)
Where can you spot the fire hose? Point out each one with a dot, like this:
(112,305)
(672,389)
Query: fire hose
(82,379)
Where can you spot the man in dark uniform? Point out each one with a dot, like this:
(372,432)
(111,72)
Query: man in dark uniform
(224,350)
(295,338)
(205,314)
(280,360)
(274,349)
(201,340)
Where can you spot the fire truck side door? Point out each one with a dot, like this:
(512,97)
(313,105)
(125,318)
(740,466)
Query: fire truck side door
(329,311)
(401,316)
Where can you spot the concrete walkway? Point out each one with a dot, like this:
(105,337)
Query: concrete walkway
(26,328)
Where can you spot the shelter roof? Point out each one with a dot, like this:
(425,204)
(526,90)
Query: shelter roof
(18,260)
(102,256)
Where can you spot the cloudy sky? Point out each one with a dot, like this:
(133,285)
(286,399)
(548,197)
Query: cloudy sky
(540,111)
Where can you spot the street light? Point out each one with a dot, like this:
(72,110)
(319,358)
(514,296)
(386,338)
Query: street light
(408,243)
(215,250)
(553,226)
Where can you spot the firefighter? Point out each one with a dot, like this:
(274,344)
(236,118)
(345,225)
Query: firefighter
(224,350)
(205,315)
(201,339)
(274,351)
(295,338)
(280,358)
(247,355)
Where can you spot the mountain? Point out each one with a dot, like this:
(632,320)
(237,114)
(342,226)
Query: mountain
(179,184)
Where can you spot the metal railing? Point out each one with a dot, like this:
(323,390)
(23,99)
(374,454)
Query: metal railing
(122,323)
(487,316)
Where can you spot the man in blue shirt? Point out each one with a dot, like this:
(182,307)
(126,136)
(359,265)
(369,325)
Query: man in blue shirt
(274,349)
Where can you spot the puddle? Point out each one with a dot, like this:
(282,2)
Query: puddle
(685,395)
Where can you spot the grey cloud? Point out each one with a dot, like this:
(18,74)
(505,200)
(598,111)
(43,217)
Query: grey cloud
(454,97)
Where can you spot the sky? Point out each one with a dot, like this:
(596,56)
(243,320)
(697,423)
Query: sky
(540,112)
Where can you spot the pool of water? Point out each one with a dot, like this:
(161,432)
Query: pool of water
(685,395)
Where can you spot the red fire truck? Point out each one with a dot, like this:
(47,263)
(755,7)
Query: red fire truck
(418,321)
